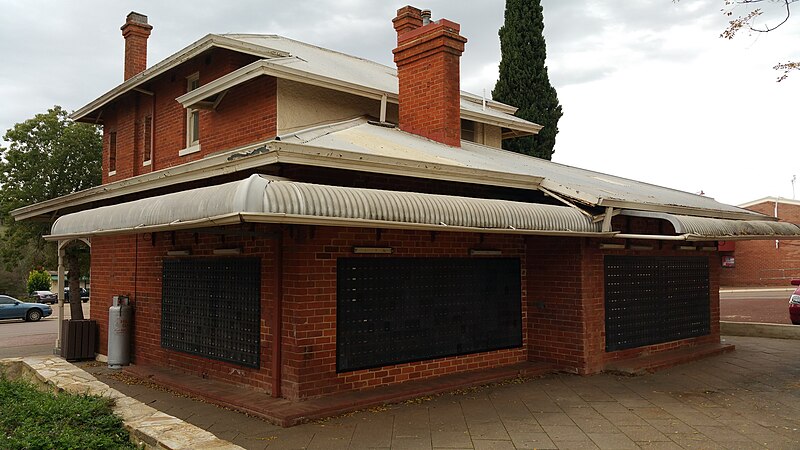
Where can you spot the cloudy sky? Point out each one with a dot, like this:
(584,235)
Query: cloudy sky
(649,89)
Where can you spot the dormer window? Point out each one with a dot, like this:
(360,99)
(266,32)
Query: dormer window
(192,119)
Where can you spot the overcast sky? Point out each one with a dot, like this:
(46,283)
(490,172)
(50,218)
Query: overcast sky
(648,88)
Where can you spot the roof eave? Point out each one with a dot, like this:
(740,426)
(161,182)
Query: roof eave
(196,48)
(210,166)
(274,152)
(271,68)
(779,200)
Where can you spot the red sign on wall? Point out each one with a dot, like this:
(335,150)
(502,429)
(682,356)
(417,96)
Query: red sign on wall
(728,261)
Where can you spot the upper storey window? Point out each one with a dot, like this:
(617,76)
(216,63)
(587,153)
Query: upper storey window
(147,151)
(467,130)
(112,153)
(192,119)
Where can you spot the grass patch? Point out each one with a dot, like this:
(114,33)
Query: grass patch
(32,419)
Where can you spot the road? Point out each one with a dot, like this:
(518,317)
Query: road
(19,338)
(766,306)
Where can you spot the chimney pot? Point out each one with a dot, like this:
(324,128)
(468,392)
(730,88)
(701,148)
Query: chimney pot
(136,30)
(426,17)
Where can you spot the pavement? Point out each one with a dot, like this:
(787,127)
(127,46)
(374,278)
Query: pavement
(749,398)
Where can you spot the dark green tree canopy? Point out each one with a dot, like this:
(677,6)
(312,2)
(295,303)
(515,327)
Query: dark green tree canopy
(48,156)
(523,78)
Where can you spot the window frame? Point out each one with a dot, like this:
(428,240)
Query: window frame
(147,140)
(112,153)
(192,119)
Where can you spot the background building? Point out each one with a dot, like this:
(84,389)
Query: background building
(765,262)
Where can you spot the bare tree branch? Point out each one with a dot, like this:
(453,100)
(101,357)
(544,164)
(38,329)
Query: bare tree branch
(747,21)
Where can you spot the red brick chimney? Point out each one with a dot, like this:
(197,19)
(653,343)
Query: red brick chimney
(135,31)
(428,62)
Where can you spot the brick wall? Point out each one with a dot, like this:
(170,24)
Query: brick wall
(132,265)
(594,264)
(555,294)
(762,263)
(566,287)
(310,307)
(562,301)
(247,113)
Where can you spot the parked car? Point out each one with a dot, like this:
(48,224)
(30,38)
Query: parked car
(794,304)
(45,297)
(11,308)
(84,295)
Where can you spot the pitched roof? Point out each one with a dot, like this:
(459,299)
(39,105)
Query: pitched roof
(362,146)
(358,137)
(287,58)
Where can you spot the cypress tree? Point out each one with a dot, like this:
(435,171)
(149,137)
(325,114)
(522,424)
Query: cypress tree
(523,78)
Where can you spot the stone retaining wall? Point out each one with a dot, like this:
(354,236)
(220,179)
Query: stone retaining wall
(148,426)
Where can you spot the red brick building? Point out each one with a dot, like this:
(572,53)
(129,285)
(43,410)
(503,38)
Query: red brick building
(305,223)
(765,262)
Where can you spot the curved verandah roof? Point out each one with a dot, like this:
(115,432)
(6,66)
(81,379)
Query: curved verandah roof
(261,199)
(269,200)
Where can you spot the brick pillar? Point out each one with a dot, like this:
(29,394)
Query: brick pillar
(135,31)
(428,64)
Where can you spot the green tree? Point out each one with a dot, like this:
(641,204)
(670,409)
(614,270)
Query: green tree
(38,280)
(523,78)
(48,156)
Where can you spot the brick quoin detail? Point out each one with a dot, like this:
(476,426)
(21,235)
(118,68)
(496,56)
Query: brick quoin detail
(428,65)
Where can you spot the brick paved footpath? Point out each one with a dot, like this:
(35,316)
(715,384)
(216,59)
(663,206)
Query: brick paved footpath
(746,399)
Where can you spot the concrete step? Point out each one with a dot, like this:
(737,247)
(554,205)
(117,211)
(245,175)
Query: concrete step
(287,413)
(659,361)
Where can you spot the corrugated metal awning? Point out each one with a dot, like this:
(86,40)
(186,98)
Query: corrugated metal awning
(269,200)
(706,228)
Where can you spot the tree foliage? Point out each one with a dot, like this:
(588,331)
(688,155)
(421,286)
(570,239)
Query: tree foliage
(523,81)
(48,156)
(38,280)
